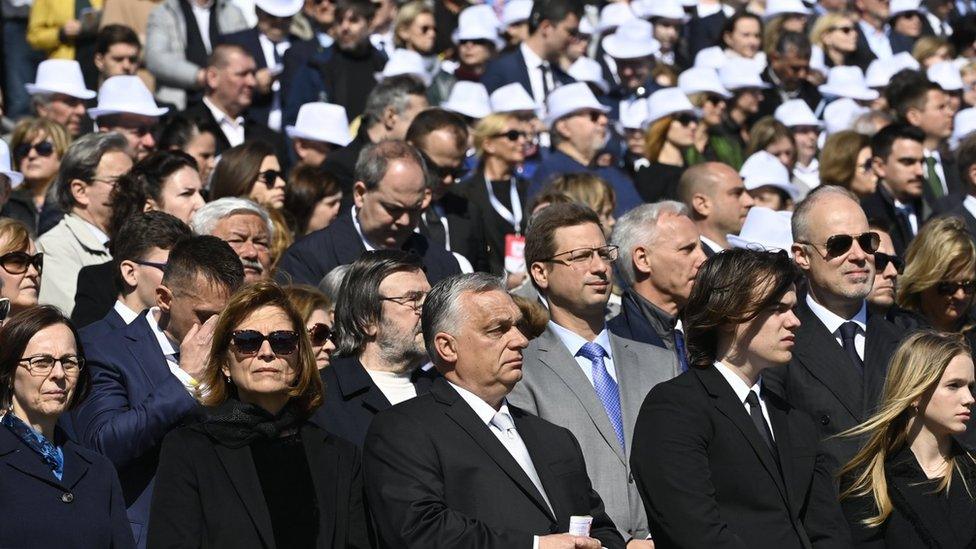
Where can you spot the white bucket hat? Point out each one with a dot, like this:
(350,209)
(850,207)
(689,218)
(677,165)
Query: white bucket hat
(963,124)
(511,98)
(840,115)
(585,69)
(478,22)
(736,74)
(880,71)
(899,7)
(516,11)
(566,100)
(664,9)
(765,230)
(125,95)
(666,102)
(16,178)
(780,7)
(614,15)
(762,169)
(634,114)
(796,112)
(279,8)
(404,61)
(60,76)
(946,75)
(847,81)
(323,122)
(469,99)
(634,38)
(702,80)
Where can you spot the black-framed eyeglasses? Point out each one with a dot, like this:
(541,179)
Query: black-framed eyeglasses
(881,261)
(248,342)
(17,263)
(685,118)
(160,266)
(413,300)
(947,288)
(476,42)
(512,135)
(41,365)
(714,98)
(320,334)
(270,178)
(839,244)
(44,148)
(583,256)
(442,172)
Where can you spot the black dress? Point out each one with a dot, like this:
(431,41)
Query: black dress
(658,182)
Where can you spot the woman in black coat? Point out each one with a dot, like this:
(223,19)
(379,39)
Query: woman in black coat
(53,492)
(254,472)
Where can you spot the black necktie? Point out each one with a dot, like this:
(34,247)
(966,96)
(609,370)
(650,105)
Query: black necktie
(435,230)
(544,67)
(847,332)
(755,412)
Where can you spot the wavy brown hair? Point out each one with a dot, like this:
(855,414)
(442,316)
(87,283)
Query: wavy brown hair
(838,159)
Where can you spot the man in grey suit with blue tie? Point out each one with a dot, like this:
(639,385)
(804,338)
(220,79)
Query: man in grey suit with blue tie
(579,375)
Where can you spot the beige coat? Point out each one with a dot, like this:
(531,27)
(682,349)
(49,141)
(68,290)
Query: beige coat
(67,247)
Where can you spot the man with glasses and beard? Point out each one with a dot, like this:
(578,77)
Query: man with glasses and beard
(379,339)
(842,348)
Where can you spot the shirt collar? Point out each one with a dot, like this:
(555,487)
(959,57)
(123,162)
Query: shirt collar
(532,60)
(484,410)
(96,232)
(219,115)
(970,204)
(933,154)
(711,244)
(127,314)
(166,343)
(359,231)
(574,342)
(738,385)
(832,321)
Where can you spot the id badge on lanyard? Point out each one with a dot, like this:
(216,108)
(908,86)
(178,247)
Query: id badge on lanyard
(514,242)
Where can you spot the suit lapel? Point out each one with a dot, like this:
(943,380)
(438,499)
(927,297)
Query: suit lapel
(780,420)
(523,73)
(354,381)
(324,465)
(75,466)
(145,350)
(823,357)
(629,371)
(537,445)
(240,469)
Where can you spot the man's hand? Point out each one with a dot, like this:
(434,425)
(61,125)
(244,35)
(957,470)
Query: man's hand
(71,29)
(265,79)
(195,348)
(566,541)
(640,544)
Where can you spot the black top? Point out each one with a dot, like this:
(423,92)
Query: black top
(286,483)
(658,181)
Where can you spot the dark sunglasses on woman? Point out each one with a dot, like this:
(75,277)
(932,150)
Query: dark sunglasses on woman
(320,333)
(248,342)
(44,148)
(947,287)
(685,118)
(270,177)
(18,262)
(512,135)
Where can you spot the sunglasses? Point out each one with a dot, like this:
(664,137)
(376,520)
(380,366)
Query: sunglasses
(947,288)
(594,115)
(44,148)
(248,342)
(17,263)
(881,261)
(442,172)
(686,118)
(320,334)
(839,244)
(844,29)
(424,29)
(270,177)
(714,99)
(512,135)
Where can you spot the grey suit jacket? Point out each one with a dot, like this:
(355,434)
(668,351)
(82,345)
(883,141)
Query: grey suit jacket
(555,388)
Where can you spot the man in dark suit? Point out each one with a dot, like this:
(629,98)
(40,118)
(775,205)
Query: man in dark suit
(390,195)
(789,63)
(966,208)
(460,467)
(721,459)
(842,349)
(112,295)
(143,374)
(717,201)
(377,323)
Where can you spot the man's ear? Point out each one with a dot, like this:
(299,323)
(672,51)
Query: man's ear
(127,270)
(210,77)
(913,116)
(164,298)
(971,176)
(358,192)
(99,61)
(540,274)
(641,261)
(79,190)
(801,255)
(389,118)
(446,347)
(701,204)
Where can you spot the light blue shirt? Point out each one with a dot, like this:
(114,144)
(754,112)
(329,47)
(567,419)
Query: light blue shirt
(574,343)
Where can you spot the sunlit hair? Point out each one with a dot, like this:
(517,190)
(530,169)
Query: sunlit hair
(587,189)
(29,129)
(490,126)
(307,299)
(765,132)
(929,46)
(826,23)
(838,159)
(655,137)
(214,389)
(916,368)
(941,251)
(14,236)
(406,15)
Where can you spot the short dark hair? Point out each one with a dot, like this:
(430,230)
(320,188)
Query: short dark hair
(180,130)
(359,306)
(884,140)
(362,8)
(796,41)
(966,157)
(143,232)
(143,182)
(554,11)
(307,186)
(17,332)
(431,120)
(207,256)
(109,35)
(727,292)
(394,92)
(908,89)
(731,22)
(374,160)
(540,238)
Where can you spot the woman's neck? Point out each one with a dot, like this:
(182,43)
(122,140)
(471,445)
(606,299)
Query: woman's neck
(738,116)
(701,137)
(931,451)
(836,56)
(38,189)
(670,155)
(497,168)
(40,423)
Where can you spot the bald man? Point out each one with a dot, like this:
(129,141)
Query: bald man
(717,201)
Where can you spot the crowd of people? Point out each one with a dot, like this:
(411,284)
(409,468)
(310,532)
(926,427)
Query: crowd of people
(460,274)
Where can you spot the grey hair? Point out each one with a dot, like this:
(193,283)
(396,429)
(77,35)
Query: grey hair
(375,159)
(800,224)
(41,99)
(332,281)
(81,161)
(442,307)
(871,122)
(205,220)
(395,92)
(639,227)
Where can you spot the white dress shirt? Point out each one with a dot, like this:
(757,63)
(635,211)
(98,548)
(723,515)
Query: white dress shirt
(711,244)
(970,204)
(574,342)
(359,231)
(877,40)
(742,391)
(533,64)
(123,310)
(833,323)
(233,128)
(269,48)
(170,350)
(912,214)
(202,17)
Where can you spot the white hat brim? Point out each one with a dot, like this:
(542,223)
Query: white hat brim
(34,89)
(16,178)
(625,50)
(97,112)
(293,132)
(866,94)
(552,118)
(737,241)
(280,10)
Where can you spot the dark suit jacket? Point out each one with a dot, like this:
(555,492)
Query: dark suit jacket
(437,477)
(771,97)
(959,210)
(708,479)
(863,55)
(314,255)
(632,324)
(135,400)
(209,495)
(108,323)
(252,130)
(96,293)
(491,225)
(248,39)
(464,233)
(84,509)
(822,381)
(510,67)
(351,399)
(881,205)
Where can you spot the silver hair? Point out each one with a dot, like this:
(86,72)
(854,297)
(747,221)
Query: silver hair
(800,224)
(392,92)
(81,161)
(871,122)
(639,227)
(442,307)
(205,220)
(332,281)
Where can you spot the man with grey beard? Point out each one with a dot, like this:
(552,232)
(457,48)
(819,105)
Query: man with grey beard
(379,343)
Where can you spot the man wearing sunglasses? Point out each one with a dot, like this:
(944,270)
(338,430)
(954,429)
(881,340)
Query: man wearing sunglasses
(842,347)
(887,267)
(146,373)
(578,374)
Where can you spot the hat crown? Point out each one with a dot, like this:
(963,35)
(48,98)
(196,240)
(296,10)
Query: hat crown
(796,112)
(279,8)
(511,97)
(60,76)
(125,94)
(766,228)
(614,15)
(762,168)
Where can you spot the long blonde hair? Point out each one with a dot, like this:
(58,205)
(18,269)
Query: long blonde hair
(941,250)
(916,368)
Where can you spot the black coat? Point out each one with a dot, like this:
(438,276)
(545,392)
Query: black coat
(437,477)
(341,164)
(632,324)
(771,97)
(84,509)
(881,205)
(209,495)
(491,225)
(252,130)
(464,233)
(96,293)
(708,480)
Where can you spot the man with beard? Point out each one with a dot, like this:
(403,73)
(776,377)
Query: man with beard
(379,340)
(245,226)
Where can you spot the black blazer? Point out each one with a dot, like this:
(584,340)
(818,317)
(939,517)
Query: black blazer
(351,399)
(881,205)
(315,254)
(492,226)
(821,381)
(209,495)
(708,480)
(632,324)
(96,293)
(919,519)
(437,477)
(464,233)
(771,97)
(959,210)
(252,130)
(84,509)
(341,164)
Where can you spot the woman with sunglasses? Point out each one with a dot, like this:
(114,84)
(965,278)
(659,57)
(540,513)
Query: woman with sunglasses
(845,161)
(712,142)
(254,472)
(53,492)
(37,145)
(672,125)
(20,266)
(415,29)
(912,485)
(940,277)
(250,170)
(834,41)
(317,310)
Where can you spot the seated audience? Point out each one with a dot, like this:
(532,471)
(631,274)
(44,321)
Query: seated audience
(20,266)
(718,203)
(250,170)
(845,161)
(58,94)
(167,181)
(126,106)
(193,137)
(38,145)
(312,200)
(592,192)
(671,126)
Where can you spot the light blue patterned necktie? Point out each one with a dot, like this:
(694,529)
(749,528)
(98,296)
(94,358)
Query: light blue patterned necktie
(605,387)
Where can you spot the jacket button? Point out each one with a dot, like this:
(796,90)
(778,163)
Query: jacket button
(824,420)
(67,497)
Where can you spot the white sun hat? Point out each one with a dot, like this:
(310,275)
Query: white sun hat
(586,69)
(780,7)
(764,230)
(963,124)
(613,15)
(403,61)
(841,114)
(516,11)
(898,7)
(762,169)
(663,9)
(702,80)
(478,22)
(736,74)
(634,38)
(16,178)
(469,99)
(634,114)
(566,100)
(323,122)
(666,102)
(511,98)
(946,75)
(796,112)
(847,81)
(880,71)
(279,8)
(60,76)
(125,94)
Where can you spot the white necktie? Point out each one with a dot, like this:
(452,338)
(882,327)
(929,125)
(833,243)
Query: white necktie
(515,446)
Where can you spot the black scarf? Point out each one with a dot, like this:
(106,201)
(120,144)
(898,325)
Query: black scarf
(235,424)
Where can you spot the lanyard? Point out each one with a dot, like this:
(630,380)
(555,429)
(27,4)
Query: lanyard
(513,216)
